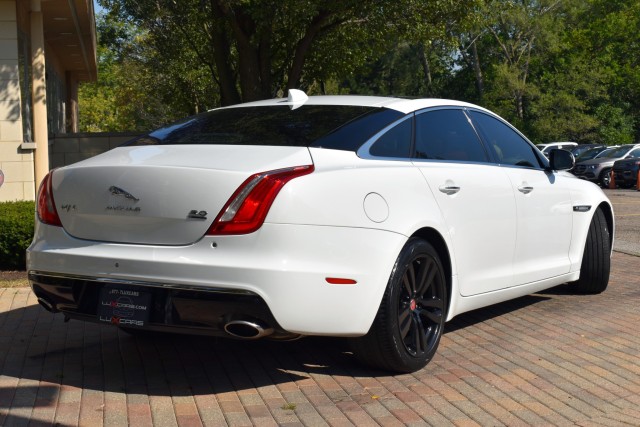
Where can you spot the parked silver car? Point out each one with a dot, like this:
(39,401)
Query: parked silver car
(598,169)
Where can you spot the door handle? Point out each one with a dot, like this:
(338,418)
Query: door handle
(449,189)
(525,189)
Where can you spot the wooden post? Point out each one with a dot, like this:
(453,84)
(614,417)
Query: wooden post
(39,89)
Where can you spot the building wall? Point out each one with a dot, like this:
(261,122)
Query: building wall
(15,163)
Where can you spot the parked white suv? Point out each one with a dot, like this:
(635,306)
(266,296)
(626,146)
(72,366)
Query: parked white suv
(546,148)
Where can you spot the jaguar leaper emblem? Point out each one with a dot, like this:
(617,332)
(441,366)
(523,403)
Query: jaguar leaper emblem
(117,191)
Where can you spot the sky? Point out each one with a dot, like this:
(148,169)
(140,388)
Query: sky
(96,7)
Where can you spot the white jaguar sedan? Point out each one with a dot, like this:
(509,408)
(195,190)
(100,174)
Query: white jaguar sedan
(372,218)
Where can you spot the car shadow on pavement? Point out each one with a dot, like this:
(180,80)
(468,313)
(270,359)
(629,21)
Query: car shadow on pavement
(487,313)
(41,356)
(483,314)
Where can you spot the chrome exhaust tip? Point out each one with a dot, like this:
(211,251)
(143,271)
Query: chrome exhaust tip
(47,305)
(247,329)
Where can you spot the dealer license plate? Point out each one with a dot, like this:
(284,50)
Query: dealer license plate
(123,307)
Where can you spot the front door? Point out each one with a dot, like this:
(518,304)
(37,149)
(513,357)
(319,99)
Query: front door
(543,203)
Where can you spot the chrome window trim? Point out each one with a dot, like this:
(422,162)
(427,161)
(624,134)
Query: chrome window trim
(364,153)
(364,150)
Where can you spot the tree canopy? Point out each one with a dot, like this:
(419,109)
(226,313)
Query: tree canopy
(558,69)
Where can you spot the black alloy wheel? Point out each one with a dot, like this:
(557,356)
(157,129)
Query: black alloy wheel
(421,306)
(407,329)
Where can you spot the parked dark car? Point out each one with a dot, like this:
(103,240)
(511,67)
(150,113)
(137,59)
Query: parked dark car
(581,149)
(598,169)
(591,153)
(626,171)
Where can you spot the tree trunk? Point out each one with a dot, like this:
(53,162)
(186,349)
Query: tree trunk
(477,70)
(316,25)
(425,68)
(520,106)
(229,94)
(264,59)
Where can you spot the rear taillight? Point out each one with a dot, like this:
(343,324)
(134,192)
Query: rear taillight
(47,212)
(248,207)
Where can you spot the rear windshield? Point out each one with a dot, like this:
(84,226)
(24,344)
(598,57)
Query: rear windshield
(327,126)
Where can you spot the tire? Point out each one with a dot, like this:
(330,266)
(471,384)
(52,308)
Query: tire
(407,329)
(605,178)
(596,260)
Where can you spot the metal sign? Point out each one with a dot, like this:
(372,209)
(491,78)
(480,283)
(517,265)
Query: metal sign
(1,178)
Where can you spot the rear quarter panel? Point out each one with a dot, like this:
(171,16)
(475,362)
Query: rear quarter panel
(334,195)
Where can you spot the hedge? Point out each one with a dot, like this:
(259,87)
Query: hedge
(16,233)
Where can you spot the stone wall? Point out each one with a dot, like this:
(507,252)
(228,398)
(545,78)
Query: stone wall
(65,149)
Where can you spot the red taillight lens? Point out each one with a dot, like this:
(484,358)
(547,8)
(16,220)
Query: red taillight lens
(340,281)
(248,207)
(47,212)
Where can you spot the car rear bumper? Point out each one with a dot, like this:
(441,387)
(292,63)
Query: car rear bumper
(173,308)
(276,275)
(626,178)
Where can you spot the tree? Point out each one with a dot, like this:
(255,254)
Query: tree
(255,49)
(558,69)
(133,91)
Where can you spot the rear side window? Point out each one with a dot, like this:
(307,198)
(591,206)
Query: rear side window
(447,135)
(396,142)
(509,148)
(328,126)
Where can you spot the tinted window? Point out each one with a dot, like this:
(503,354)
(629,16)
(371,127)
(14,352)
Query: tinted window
(447,135)
(605,153)
(329,126)
(635,153)
(615,153)
(507,145)
(588,154)
(396,142)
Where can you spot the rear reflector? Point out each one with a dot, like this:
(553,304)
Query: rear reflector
(340,281)
(47,212)
(247,208)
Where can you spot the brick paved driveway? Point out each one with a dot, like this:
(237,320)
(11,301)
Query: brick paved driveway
(551,358)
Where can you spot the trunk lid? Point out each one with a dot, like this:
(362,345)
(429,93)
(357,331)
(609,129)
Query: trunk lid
(159,195)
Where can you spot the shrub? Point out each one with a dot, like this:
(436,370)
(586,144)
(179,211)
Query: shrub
(16,233)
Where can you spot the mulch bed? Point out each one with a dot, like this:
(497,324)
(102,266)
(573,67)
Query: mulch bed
(12,275)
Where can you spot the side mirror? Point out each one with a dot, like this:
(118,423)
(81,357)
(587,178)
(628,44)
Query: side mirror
(561,160)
